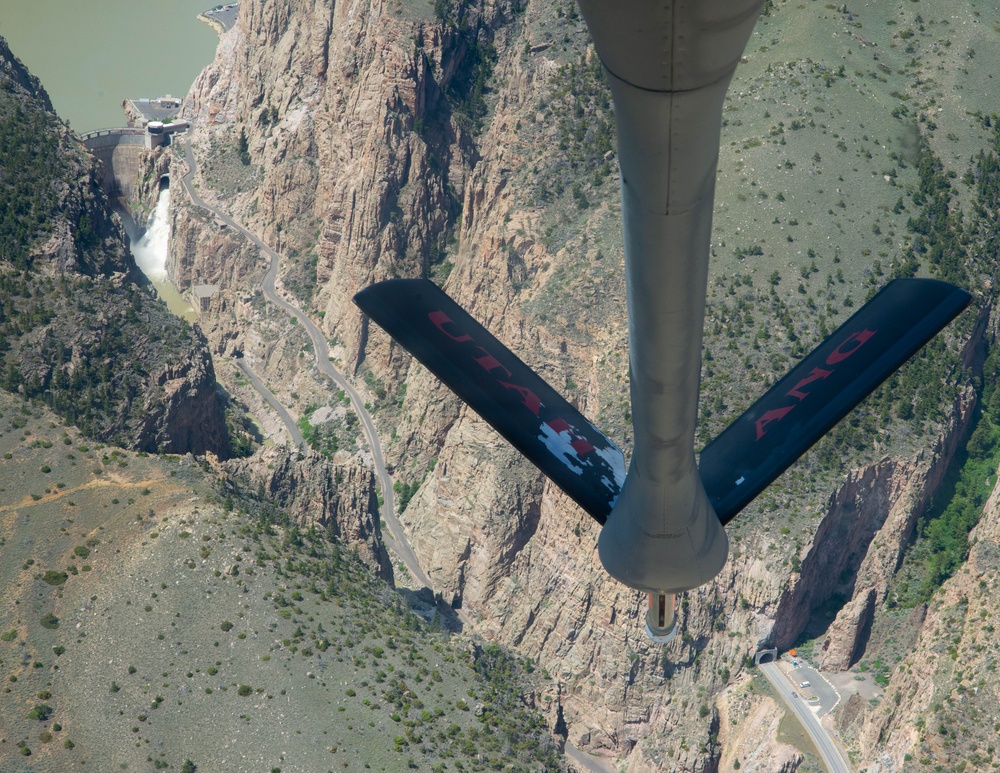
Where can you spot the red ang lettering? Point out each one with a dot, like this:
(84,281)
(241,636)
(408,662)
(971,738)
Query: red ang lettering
(838,355)
(440,319)
(775,414)
(580,445)
(815,375)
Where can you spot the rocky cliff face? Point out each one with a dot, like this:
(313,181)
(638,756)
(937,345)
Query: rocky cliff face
(338,498)
(944,687)
(373,154)
(79,327)
(860,543)
(20,79)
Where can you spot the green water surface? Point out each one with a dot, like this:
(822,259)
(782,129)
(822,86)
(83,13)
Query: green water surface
(91,55)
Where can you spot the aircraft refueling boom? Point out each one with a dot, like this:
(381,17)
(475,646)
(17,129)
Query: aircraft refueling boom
(669,64)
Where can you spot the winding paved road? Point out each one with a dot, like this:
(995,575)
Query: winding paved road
(397,538)
(589,762)
(827,749)
(283,414)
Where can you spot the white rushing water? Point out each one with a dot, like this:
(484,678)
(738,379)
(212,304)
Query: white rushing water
(150,254)
(151,250)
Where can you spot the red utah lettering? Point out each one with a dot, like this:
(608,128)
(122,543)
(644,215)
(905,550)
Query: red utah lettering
(529,399)
(440,319)
(488,362)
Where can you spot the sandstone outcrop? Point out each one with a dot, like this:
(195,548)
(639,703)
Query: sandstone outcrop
(367,168)
(315,492)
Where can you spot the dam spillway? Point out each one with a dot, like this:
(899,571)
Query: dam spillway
(123,153)
(150,252)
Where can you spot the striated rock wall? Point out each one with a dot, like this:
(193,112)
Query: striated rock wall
(942,696)
(339,498)
(364,169)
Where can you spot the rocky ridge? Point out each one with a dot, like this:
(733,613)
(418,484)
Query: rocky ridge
(337,498)
(81,329)
(364,166)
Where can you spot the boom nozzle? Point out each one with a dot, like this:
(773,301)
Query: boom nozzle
(661,617)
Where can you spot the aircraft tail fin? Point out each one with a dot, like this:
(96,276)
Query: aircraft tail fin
(503,390)
(737,465)
(826,385)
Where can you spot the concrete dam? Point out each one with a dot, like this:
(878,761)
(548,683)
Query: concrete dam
(127,162)
(120,151)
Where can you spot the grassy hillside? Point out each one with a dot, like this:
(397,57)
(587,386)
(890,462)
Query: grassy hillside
(144,624)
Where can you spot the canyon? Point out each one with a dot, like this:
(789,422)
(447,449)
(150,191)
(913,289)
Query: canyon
(372,156)
(75,303)
(469,142)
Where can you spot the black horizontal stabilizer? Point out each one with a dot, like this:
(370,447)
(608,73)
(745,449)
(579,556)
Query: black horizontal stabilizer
(498,386)
(818,392)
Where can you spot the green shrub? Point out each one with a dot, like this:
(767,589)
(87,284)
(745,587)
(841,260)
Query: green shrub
(41,712)
(55,577)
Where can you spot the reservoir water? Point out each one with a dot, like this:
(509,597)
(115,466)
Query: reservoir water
(91,55)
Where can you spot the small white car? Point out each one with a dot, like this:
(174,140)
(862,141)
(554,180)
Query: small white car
(806,684)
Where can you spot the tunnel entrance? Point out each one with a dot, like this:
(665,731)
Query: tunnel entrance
(766,656)
(165,182)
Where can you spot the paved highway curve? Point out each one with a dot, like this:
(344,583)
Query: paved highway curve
(827,749)
(397,538)
(268,395)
